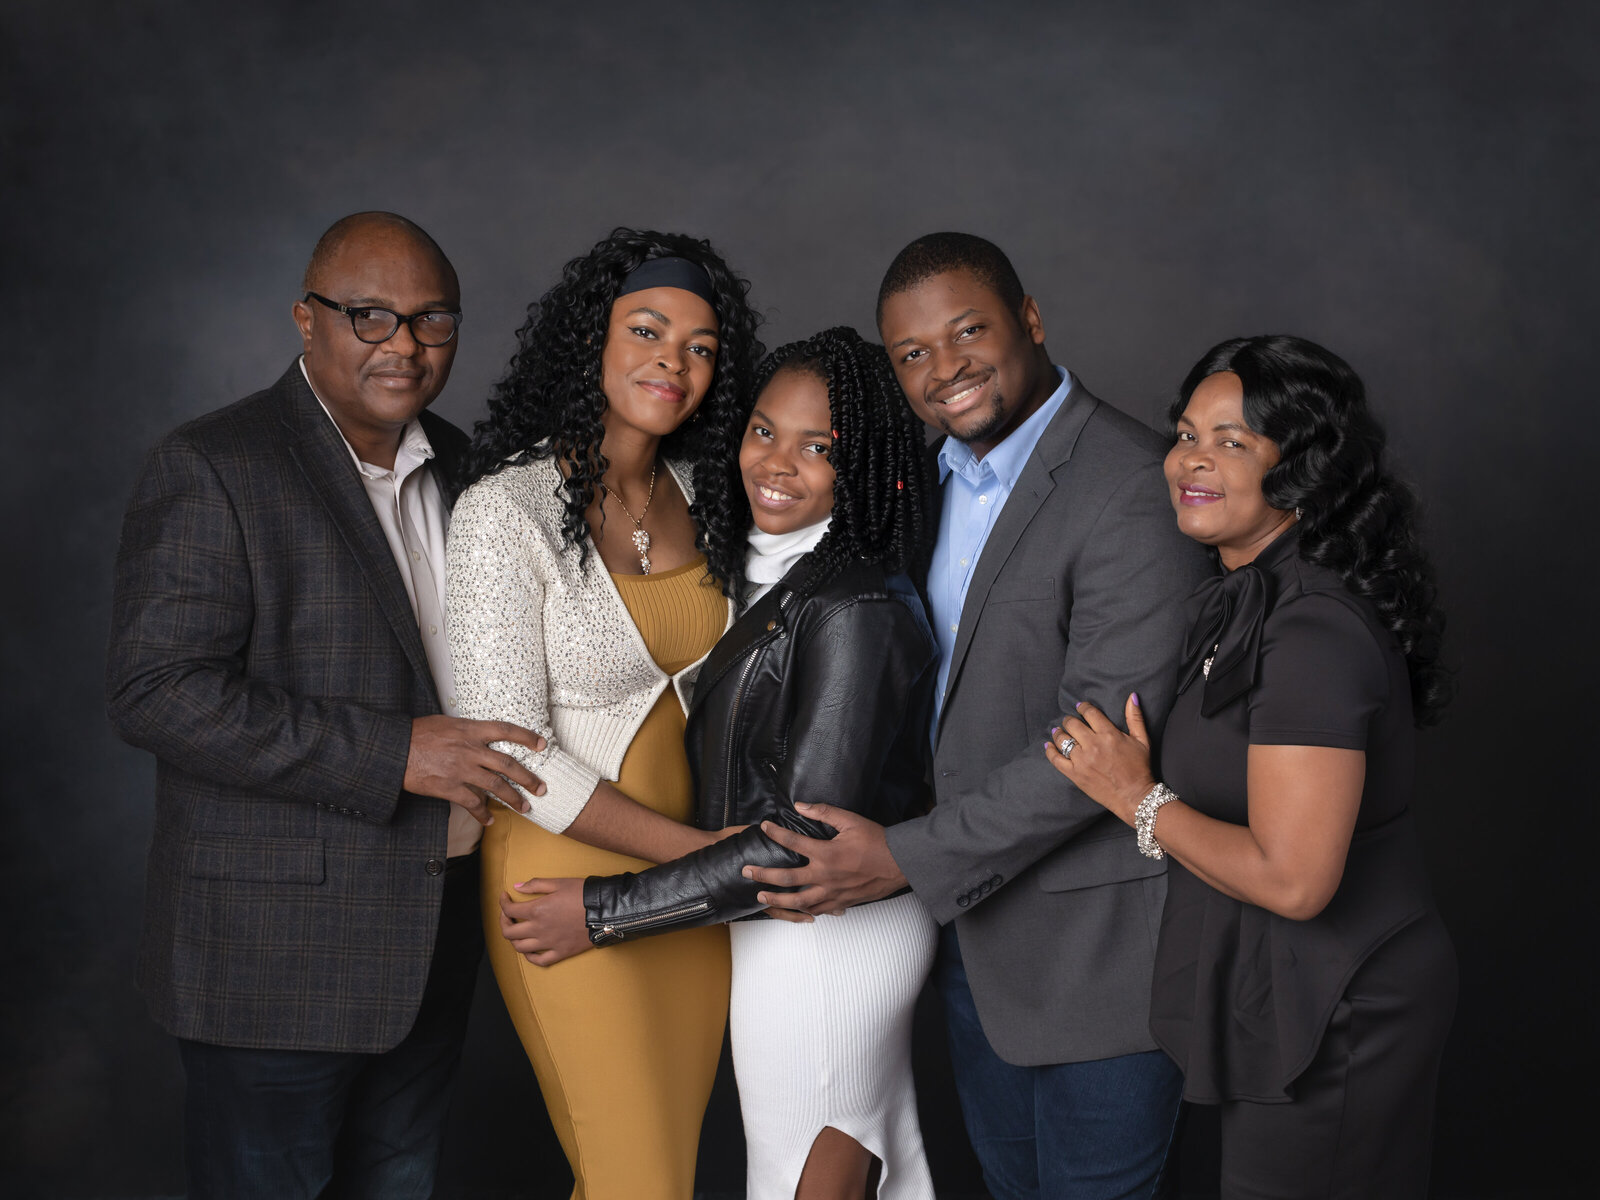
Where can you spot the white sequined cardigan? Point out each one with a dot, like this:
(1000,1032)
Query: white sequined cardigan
(537,641)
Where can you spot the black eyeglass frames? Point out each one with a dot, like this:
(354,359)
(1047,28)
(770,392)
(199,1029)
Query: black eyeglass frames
(435,327)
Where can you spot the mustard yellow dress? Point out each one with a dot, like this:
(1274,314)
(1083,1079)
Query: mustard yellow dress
(624,1040)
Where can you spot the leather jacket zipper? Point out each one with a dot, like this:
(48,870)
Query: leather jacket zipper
(731,774)
(619,929)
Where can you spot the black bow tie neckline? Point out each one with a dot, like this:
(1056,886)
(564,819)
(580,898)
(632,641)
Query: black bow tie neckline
(1224,638)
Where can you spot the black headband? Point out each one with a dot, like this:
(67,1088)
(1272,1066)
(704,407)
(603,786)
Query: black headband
(671,271)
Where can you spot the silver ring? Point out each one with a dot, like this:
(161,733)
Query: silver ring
(1068,746)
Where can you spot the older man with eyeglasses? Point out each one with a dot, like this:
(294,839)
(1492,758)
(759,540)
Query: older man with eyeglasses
(311,932)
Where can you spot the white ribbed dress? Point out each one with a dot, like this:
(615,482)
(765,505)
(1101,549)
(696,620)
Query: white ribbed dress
(820,1021)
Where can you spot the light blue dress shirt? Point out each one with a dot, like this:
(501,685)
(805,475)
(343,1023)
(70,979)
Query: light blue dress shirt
(975,490)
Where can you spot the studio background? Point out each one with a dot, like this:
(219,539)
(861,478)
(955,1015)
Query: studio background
(1412,185)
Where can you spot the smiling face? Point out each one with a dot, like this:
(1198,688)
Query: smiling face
(1214,471)
(783,458)
(659,358)
(969,365)
(372,391)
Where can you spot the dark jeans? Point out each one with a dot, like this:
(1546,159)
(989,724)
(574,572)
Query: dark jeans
(1071,1131)
(293,1124)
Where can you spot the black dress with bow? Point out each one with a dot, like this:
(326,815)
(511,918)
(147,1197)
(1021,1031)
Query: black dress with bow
(1282,653)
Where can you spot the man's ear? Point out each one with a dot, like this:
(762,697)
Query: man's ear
(1031,321)
(305,321)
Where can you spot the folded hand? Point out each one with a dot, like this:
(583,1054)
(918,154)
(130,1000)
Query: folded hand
(851,868)
(549,927)
(1110,767)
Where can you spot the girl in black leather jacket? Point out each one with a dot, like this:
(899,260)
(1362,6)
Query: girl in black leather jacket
(821,691)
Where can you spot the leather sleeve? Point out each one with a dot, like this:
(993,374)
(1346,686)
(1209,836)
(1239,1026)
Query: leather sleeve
(703,888)
(858,671)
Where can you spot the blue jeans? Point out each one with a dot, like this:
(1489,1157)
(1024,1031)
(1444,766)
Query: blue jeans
(299,1124)
(1071,1131)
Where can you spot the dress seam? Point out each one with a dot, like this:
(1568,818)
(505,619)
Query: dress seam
(544,1036)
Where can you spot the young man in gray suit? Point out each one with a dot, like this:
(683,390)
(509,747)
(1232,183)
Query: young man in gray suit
(311,928)
(1058,575)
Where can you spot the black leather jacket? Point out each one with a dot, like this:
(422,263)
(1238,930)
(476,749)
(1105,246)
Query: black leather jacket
(822,696)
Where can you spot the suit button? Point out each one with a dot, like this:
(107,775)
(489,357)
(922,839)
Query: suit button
(963,901)
(996,880)
(434,866)
(985,888)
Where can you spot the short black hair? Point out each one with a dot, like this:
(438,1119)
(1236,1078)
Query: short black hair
(935,253)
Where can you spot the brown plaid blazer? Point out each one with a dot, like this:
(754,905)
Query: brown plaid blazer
(264,650)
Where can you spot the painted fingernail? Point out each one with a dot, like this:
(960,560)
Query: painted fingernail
(1080,704)
(1136,703)
(1054,729)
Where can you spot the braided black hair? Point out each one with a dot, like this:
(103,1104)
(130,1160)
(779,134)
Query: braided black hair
(880,466)
(549,403)
(1357,519)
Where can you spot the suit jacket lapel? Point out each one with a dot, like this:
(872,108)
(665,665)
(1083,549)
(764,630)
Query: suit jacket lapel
(323,457)
(449,455)
(1034,484)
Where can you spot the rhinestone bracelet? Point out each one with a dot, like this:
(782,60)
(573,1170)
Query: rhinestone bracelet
(1144,819)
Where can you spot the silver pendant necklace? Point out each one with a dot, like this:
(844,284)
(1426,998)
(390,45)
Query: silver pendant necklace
(641,537)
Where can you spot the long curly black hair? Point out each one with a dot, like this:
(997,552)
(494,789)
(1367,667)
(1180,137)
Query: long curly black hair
(880,488)
(1357,519)
(549,402)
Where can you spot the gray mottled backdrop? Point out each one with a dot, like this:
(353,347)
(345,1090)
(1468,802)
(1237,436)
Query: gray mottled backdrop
(1411,184)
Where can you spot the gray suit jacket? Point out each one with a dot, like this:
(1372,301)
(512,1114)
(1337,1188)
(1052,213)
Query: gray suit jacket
(264,650)
(1078,595)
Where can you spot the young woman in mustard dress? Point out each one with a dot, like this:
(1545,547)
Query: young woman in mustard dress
(579,605)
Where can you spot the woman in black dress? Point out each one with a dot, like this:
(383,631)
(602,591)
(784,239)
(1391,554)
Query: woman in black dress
(1304,981)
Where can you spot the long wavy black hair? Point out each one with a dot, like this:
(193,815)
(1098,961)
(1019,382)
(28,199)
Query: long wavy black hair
(880,488)
(549,403)
(1356,518)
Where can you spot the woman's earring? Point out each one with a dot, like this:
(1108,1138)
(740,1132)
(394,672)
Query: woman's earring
(1298,512)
